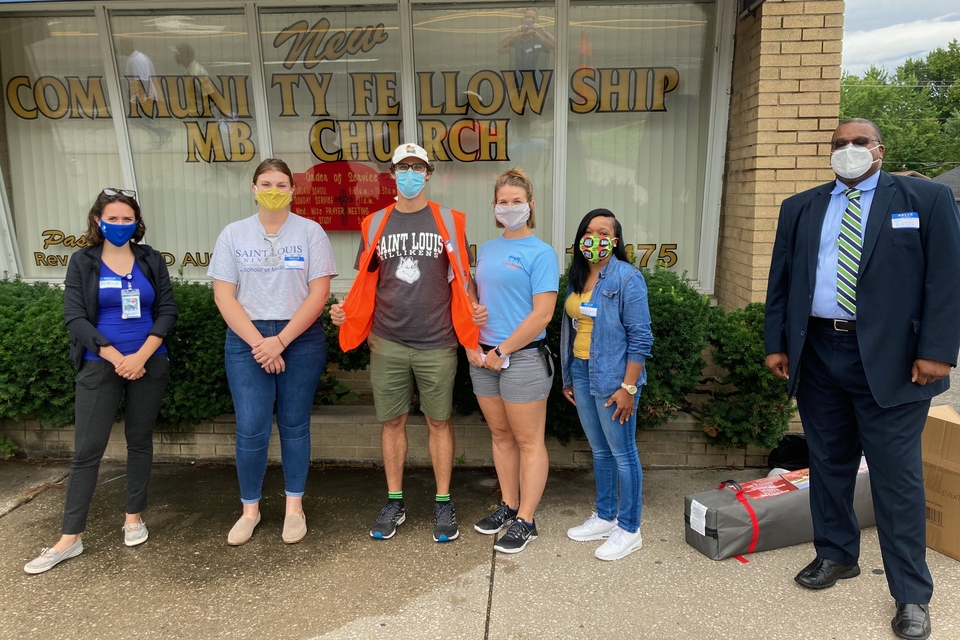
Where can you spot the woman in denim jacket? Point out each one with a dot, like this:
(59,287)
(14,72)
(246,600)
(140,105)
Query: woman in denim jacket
(605,340)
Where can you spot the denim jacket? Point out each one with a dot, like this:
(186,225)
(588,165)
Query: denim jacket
(621,330)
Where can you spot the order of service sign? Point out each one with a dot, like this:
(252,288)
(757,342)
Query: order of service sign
(338,195)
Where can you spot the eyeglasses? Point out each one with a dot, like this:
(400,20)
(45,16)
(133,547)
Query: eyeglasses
(119,192)
(417,168)
(861,141)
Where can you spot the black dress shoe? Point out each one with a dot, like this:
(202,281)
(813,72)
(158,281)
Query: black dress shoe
(823,573)
(912,621)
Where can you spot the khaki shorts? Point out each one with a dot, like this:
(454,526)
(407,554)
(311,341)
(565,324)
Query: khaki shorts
(394,366)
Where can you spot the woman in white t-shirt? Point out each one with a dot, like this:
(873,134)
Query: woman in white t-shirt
(517,279)
(271,275)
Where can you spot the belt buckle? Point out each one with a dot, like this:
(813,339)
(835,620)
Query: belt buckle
(836,326)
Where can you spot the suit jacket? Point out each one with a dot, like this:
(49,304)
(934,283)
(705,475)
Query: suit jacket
(908,287)
(81,298)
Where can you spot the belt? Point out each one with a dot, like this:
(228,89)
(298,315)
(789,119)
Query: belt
(533,345)
(844,326)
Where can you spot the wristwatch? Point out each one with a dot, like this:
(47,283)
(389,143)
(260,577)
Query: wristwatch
(631,388)
(500,354)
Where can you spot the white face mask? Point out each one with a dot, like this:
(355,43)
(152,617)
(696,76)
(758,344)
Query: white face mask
(512,216)
(852,161)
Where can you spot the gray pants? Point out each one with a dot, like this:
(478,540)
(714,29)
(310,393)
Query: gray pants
(98,392)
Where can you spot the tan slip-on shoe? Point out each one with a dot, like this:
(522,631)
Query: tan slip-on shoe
(294,528)
(242,530)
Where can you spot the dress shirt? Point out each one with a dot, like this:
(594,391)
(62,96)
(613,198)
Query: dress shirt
(825,292)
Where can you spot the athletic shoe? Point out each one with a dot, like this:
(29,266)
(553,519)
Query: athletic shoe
(595,528)
(517,536)
(496,521)
(391,516)
(445,526)
(50,557)
(134,534)
(620,544)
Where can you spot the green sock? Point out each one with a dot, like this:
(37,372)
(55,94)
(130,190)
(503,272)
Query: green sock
(443,497)
(395,495)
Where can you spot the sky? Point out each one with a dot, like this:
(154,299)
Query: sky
(887,32)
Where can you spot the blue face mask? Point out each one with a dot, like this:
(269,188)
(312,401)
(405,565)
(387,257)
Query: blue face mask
(117,234)
(410,183)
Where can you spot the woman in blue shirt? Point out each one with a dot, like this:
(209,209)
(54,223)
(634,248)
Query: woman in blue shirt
(119,307)
(512,373)
(605,341)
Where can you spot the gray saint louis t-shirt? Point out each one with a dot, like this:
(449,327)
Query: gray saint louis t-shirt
(272,274)
(413,293)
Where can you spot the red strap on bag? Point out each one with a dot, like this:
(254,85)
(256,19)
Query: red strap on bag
(754,523)
(753,520)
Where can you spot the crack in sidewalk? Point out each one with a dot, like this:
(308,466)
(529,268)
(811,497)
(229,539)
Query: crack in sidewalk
(27,495)
(493,572)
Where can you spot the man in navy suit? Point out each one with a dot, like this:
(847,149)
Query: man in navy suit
(863,317)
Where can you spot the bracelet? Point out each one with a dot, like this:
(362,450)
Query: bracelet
(280,341)
(499,353)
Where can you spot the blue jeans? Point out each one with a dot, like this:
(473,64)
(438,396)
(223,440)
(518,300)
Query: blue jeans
(616,460)
(255,394)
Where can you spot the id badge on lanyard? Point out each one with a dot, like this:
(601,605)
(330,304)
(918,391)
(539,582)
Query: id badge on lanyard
(129,301)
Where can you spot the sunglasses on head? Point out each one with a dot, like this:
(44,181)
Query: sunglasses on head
(119,192)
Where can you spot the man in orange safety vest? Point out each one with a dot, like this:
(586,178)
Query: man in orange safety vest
(411,301)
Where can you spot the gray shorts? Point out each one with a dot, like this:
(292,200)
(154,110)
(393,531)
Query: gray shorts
(525,380)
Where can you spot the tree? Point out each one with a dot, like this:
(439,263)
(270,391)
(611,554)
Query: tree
(913,134)
(940,72)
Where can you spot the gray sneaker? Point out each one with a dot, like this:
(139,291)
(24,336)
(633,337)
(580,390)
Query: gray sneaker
(50,557)
(391,516)
(134,534)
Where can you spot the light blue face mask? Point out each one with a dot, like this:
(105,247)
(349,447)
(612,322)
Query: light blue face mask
(410,183)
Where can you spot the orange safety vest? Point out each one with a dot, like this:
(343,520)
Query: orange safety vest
(359,303)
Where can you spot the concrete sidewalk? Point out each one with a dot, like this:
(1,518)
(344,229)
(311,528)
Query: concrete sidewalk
(185,582)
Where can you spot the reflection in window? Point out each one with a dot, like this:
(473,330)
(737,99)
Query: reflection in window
(333,93)
(639,102)
(485,90)
(190,117)
(59,149)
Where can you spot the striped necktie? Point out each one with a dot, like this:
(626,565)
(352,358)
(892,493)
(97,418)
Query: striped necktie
(849,247)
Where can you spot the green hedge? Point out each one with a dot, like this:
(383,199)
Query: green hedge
(36,378)
(750,406)
(32,331)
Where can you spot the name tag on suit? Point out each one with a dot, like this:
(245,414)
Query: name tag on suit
(909,220)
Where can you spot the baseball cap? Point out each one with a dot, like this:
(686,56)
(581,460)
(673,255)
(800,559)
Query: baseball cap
(410,150)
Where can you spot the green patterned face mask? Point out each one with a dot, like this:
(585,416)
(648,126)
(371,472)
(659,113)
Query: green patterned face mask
(595,248)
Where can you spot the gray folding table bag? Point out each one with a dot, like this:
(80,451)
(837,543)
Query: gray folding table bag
(760,515)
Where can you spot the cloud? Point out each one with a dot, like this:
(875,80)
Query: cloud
(889,46)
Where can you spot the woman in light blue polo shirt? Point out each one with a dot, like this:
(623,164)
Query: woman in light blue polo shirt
(517,279)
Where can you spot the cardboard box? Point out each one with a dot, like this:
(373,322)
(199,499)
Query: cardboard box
(763,514)
(941,480)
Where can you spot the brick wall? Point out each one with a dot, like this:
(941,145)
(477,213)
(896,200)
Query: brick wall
(785,101)
(351,435)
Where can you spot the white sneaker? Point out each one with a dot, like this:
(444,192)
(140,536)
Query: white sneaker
(50,557)
(595,528)
(134,534)
(620,544)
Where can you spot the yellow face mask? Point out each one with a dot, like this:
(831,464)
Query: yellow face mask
(274,199)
